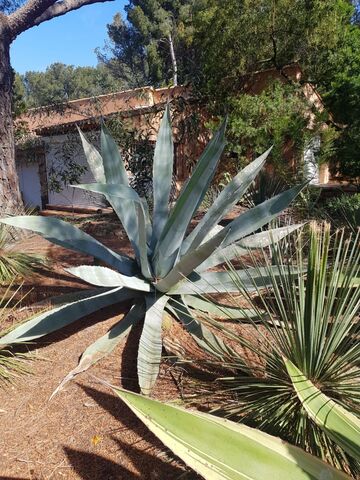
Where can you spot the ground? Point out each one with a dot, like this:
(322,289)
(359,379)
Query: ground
(85,432)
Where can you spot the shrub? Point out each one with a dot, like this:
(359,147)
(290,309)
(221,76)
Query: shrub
(312,321)
(345,210)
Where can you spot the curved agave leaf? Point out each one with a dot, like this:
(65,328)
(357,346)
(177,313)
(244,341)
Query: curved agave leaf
(222,282)
(150,345)
(189,262)
(104,345)
(64,315)
(220,310)
(94,158)
(240,248)
(192,195)
(225,201)
(201,334)
(162,174)
(121,191)
(105,277)
(121,198)
(66,235)
(342,426)
(219,449)
(255,218)
(115,172)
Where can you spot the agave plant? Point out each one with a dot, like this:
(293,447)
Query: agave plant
(305,352)
(165,256)
(219,449)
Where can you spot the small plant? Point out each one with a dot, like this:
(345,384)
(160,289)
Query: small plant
(165,258)
(14,263)
(11,363)
(311,321)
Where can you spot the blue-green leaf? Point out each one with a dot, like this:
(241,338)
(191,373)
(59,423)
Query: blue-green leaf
(68,236)
(150,345)
(64,315)
(162,174)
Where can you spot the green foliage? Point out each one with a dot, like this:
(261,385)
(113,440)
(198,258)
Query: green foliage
(165,257)
(223,450)
(280,114)
(139,51)
(313,322)
(13,263)
(237,39)
(345,210)
(11,364)
(61,83)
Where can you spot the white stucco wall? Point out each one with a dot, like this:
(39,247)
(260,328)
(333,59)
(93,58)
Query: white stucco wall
(60,149)
(29,181)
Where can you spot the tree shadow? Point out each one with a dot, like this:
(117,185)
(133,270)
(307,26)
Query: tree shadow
(146,460)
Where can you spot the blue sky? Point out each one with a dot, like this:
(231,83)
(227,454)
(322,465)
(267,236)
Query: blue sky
(69,39)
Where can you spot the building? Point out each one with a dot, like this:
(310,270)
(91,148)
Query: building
(52,141)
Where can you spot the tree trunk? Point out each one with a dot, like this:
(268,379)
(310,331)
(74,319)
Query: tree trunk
(173,60)
(10,197)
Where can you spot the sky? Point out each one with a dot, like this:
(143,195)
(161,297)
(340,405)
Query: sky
(70,39)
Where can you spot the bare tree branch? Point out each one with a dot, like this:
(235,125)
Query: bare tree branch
(25,15)
(35,12)
(62,7)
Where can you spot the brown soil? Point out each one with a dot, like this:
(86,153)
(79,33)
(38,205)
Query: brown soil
(85,432)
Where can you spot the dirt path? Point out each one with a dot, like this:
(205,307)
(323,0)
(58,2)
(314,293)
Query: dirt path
(85,432)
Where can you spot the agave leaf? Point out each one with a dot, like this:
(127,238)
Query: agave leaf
(66,235)
(122,191)
(240,248)
(138,229)
(223,282)
(104,345)
(94,158)
(220,310)
(105,277)
(225,201)
(121,198)
(114,167)
(192,195)
(201,334)
(219,449)
(342,426)
(255,218)
(64,315)
(162,174)
(150,345)
(189,262)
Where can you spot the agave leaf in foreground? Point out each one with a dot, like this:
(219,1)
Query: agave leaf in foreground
(104,345)
(66,235)
(255,218)
(240,248)
(342,426)
(150,345)
(219,449)
(220,310)
(192,195)
(232,193)
(105,277)
(64,315)
(93,158)
(162,174)
(114,167)
(250,279)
